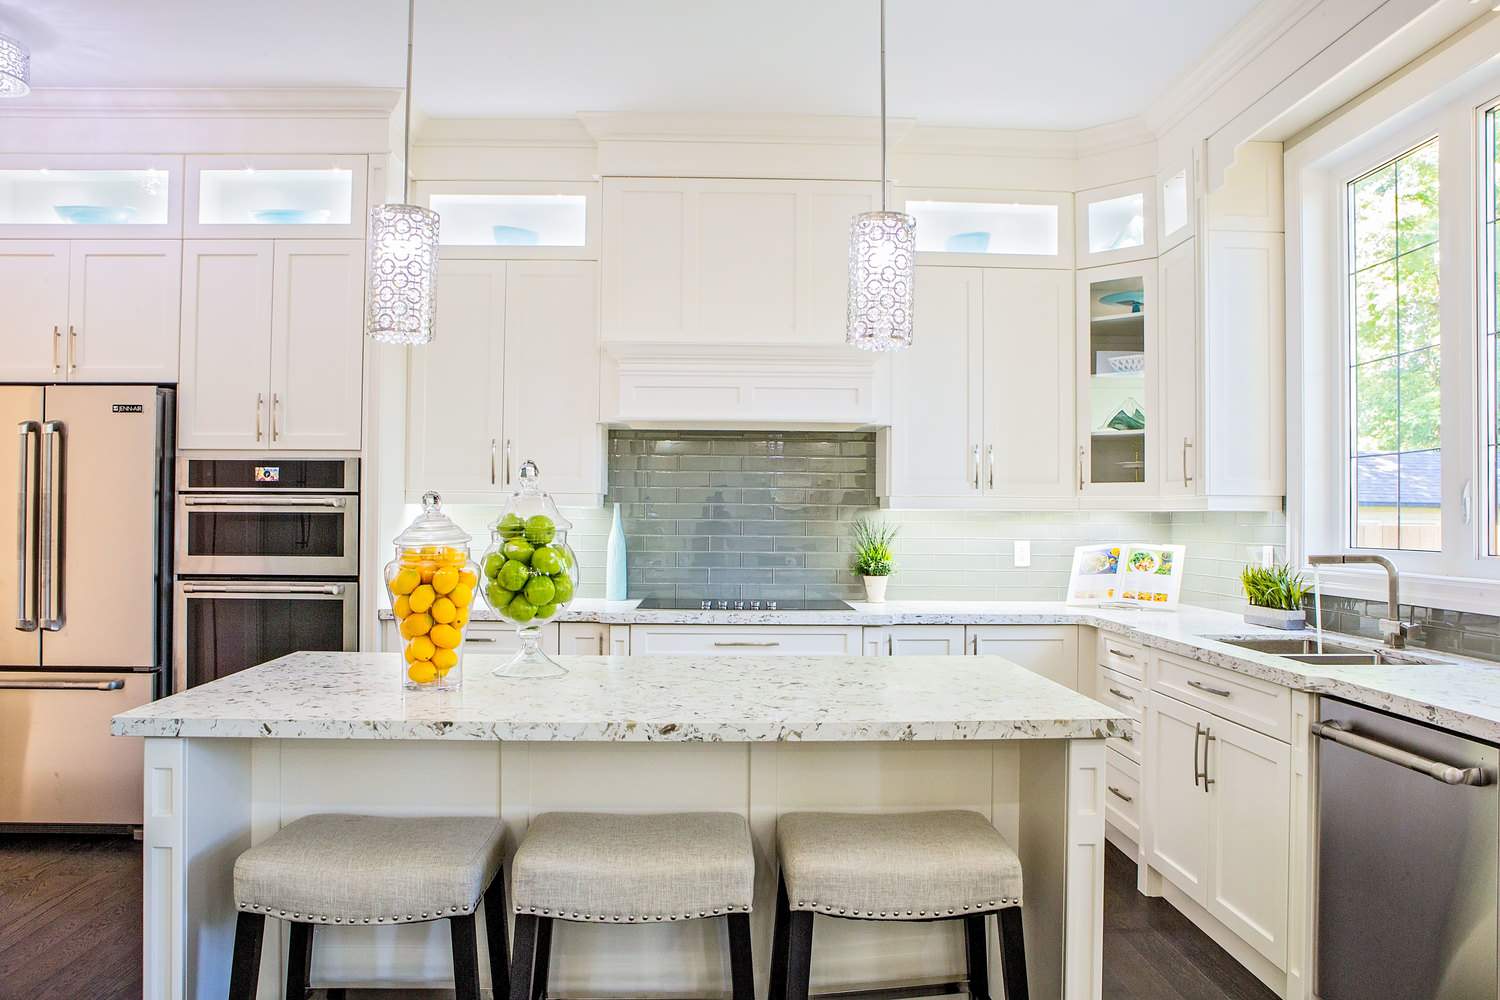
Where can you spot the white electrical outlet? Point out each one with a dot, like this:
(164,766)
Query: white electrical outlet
(1023,554)
(1267,555)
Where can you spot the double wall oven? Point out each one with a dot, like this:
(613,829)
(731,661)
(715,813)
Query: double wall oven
(267,561)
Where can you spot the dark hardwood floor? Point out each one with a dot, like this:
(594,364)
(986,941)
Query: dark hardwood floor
(70,929)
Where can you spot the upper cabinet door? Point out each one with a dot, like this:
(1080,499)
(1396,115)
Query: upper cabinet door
(1177,205)
(1028,384)
(317,344)
(90,197)
(1116,223)
(1118,416)
(224,397)
(514,219)
(1177,270)
(1032,229)
(258,197)
(647,286)
(123,311)
(34,320)
(552,410)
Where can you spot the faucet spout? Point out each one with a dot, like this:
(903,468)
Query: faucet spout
(1392,629)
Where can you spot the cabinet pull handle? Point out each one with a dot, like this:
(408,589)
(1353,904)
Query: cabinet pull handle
(976,466)
(260,403)
(1119,794)
(1080,469)
(1208,737)
(890,645)
(507,461)
(481,638)
(1187,475)
(1129,735)
(975,642)
(1197,736)
(1121,694)
(757,645)
(1218,692)
(30,442)
(275,416)
(492,461)
(56,341)
(1122,655)
(992,466)
(72,344)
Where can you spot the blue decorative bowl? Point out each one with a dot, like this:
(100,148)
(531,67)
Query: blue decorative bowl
(94,215)
(287,216)
(968,243)
(515,236)
(1132,298)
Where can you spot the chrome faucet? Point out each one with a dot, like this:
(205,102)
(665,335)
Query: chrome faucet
(1393,630)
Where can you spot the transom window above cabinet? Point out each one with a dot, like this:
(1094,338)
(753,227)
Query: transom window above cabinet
(1117,223)
(257,196)
(90,196)
(515,220)
(991,229)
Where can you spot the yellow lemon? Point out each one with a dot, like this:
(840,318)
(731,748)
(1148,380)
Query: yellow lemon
(416,625)
(405,582)
(430,550)
(468,578)
(461,619)
(421,648)
(444,580)
(426,570)
(446,636)
(423,672)
(401,607)
(410,652)
(455,556)
(422,598)
(445,659)
(443,610)
(463,595)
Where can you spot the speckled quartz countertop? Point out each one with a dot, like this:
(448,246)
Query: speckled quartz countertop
(636,698)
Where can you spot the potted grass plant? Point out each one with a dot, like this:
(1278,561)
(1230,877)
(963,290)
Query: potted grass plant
(1275,593)
(872,556)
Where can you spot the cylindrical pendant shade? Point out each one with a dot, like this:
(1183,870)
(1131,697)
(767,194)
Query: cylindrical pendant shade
(401,306)
(882,255)
(15,68)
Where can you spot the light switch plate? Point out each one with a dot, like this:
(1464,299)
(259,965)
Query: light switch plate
(1023,554)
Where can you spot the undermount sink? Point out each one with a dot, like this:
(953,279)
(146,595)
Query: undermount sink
(1333,654)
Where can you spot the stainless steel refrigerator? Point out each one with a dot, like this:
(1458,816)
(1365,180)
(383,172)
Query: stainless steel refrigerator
(88,489)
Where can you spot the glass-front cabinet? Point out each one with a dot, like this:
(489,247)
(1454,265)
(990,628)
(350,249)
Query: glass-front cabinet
(1117,389)
(990,228)
(517,220)
(67,197)
(1116,223)
(265,196)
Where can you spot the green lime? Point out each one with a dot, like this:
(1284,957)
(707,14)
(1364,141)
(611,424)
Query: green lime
(539,590)
(498,596)
(549,559)
(562,588)
(511,526)
(518,549)
(513,575)
(540,529)
(520,610)
(492,564)
(546,610)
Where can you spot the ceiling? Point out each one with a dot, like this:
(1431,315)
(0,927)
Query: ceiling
(996,63)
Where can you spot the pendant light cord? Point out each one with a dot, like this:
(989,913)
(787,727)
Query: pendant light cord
(882,106)
(411,20)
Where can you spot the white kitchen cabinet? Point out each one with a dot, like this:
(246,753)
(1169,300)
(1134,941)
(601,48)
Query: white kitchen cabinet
(1116,223)
(751,640)
(1181,375)
(914,640)
(260,197)
(91,311)
(504,220)
(1177,204)
(999,430)
(272,351)
(958,228)
(1049,650)
(1179,813)
(1122,798)
(1118,361)
(583,639)
(89,196)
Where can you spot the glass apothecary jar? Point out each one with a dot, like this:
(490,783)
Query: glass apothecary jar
(432,583)
(530,573)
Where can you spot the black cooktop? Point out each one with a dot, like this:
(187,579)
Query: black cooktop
(743,604)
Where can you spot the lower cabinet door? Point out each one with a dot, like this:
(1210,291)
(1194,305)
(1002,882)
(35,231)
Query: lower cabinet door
(582,639)
(914,640)
(753,640)
(1049,650)
(1179,812)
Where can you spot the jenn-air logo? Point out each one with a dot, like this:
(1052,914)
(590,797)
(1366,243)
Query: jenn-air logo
(127,408)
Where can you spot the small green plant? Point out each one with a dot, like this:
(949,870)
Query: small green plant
(1276,586)
(872,548)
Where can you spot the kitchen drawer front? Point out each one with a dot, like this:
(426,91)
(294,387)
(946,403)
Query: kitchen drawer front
(1122,655)
(1120,691)
(751,640)
(1250,701)
(1122,794)
(500,638)
(1128,746)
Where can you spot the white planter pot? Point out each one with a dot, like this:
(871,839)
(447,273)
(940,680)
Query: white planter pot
(875,588)
(1276,618)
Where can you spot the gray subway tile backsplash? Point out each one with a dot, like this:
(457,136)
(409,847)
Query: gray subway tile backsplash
(1463,633)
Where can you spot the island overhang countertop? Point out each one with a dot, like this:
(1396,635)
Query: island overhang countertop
(743,699)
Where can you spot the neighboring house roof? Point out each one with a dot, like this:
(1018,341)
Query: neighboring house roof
(1418,473)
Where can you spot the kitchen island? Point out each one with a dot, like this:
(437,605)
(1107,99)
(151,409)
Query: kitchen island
(229,763)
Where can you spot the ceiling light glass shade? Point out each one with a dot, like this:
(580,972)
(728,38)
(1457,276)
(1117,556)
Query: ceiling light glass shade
(882,256)
(401,306)
(15,68)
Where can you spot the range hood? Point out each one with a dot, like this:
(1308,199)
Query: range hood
(706,386)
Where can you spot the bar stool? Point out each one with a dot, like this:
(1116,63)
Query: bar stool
(371,871)
(905,867)
(630,869)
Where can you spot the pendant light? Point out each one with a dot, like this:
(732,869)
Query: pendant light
(15,68)
(401,304)
(882,254)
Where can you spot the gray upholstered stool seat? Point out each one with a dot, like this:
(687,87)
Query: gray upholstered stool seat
(369,870)
(609,868)
(901,866)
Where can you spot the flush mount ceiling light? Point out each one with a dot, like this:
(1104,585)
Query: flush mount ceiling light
(15,68)
(401,304)
(882,254)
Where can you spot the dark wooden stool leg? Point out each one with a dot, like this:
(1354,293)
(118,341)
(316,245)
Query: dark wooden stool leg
(299,962)
(244,971)
(799,955)
(741,962)
(496,936)
(779,930)
(979,961)
(523,957)
(465,934)
(543,959)
(1013,954)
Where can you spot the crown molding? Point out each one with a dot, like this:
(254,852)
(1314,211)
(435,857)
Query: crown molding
(500,132)
(348,102)
(821,130)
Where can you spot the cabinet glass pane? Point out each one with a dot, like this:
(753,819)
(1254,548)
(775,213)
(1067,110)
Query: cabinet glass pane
(528,220)
(1117,223)
(83,197)
(249,197)
(1117,380)
(983,227)
(1174,202)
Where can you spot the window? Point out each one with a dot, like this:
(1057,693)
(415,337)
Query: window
(1395,355)
(1489,329)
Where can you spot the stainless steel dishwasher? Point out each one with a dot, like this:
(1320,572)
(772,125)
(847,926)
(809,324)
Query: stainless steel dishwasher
(1408,833)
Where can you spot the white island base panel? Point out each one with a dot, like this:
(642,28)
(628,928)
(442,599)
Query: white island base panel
(208,799)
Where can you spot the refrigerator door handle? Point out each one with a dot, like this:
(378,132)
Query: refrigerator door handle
(62,685)
(52,614)
(30,444)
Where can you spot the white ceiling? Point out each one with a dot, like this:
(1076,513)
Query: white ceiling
(1051,64)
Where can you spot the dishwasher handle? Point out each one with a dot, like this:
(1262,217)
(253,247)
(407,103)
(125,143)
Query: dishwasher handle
(1448,774)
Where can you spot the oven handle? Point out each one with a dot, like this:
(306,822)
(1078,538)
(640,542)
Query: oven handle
(1448,774)
(331,589)
(61,685)
(336,503)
